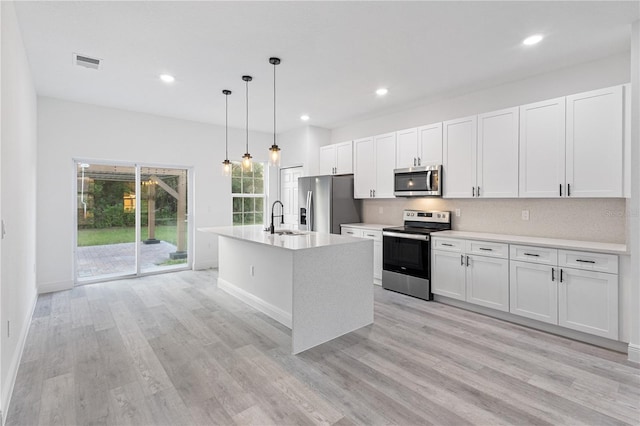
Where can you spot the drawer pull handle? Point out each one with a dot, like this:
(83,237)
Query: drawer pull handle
(532,254)
(486,249)
(585,261)
(447,244)
(370,235)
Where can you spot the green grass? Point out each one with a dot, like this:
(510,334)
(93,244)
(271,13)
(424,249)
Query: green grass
(100,237)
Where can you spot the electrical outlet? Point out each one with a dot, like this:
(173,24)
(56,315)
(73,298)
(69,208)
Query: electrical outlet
(457,212)
(252,270)
(525,214)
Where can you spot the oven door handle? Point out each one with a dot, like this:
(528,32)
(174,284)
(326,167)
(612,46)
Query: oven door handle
(407,236)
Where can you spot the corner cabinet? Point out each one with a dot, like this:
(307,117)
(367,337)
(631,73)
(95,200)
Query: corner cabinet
(336,159)
(374,161)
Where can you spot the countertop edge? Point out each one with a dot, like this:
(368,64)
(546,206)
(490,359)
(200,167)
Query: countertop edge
(591,246)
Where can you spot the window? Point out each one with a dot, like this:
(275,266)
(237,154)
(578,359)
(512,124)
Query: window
(247,189)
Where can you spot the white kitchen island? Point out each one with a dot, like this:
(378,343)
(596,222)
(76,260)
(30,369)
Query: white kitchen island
(319,285)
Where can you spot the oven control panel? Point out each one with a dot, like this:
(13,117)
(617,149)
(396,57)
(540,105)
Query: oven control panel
(426,216)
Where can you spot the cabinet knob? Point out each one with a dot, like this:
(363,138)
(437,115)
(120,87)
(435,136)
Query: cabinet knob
(419,161)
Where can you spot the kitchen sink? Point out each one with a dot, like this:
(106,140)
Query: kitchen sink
(289,232)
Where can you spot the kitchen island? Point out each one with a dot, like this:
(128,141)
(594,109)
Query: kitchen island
(318,285)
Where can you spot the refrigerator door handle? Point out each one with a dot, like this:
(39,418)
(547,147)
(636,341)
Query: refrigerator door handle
(309,212)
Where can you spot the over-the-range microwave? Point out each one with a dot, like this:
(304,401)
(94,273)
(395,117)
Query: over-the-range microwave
(418,181)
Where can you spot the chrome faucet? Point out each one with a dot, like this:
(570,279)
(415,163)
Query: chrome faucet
(281,216)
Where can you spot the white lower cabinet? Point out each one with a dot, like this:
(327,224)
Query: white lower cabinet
(483,280)
(588,302)
(448,274)
(572,289)
(488,282)
(533,291)
(376,236)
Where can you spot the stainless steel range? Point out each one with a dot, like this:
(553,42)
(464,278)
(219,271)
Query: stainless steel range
(406,252)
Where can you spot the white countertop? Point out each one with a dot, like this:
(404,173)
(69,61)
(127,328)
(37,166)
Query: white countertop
(537,241)
(370,226)
(256,234)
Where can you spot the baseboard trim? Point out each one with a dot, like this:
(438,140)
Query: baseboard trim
(199,266)
(15,362)
(54,286)
(268,309)
(633,352)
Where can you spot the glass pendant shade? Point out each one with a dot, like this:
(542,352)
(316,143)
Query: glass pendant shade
(274,151)
(247,163)
(226,168)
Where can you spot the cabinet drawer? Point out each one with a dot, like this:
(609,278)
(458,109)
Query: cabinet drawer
(588,261)
(483,248)
(543,255)
(447,244)
(372,235)
(352,232)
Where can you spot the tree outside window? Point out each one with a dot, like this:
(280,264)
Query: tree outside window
(247,189)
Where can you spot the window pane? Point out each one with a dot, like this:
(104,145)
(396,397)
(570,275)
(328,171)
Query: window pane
(247,185)
(248,205)
(237,218)
(236,185)
(259,186)
(259,205)
(249,218)
(259,219)
(236,169)
(258,170)
(237,204)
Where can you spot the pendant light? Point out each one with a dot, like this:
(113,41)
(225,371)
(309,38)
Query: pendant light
(247,164)
(274,151)
(226,164)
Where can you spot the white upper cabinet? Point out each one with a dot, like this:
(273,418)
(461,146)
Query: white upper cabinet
(407,148)
(336,159)
(459,157)
(497,154)
(542,154)
(364,179)
(594,166)
(430,145)
(375,159)
(385,163)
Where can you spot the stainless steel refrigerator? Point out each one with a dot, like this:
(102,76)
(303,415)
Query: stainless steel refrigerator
(325,202)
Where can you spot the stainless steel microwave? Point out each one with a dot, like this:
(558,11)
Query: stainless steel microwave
(419,181)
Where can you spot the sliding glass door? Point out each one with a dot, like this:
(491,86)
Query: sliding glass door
(131,220)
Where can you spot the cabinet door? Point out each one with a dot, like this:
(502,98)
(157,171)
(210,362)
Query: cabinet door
(364,168)
(430,144)
(407,148)
(497,160)
(595,143)
(448,274)
(542,155)
(588,302)
(344,158)
(488,282)
(327,159)
(385,148)
(377,261)
(352,232)
(459,158)
(533,291)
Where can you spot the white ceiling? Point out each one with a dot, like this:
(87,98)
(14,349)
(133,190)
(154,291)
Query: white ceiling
(334,54)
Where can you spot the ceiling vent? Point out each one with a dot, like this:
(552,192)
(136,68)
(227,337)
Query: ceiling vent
(86,61)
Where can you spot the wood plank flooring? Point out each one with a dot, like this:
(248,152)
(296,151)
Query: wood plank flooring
(174,350)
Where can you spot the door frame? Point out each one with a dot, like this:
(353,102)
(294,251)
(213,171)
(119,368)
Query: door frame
(137,166)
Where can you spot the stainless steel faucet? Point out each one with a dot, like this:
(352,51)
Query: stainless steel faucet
(281,216)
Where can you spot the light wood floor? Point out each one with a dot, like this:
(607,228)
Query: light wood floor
(174,350)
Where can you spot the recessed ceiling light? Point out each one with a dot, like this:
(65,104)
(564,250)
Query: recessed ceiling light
(382,91)
(304,117)
(167,78)
(531,40)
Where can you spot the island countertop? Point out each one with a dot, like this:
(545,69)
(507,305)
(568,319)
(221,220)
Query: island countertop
(304,240)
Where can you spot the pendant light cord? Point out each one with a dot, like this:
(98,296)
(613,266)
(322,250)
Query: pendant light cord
(247,105)
(226,126)
(274,103)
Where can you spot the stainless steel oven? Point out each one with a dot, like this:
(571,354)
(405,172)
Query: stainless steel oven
(406,252)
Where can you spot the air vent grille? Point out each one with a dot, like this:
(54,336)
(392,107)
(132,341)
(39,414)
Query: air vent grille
(86,61)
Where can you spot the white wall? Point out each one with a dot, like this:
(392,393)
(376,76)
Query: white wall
(71,130)
(634,217)
(301,147)
(18,205)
